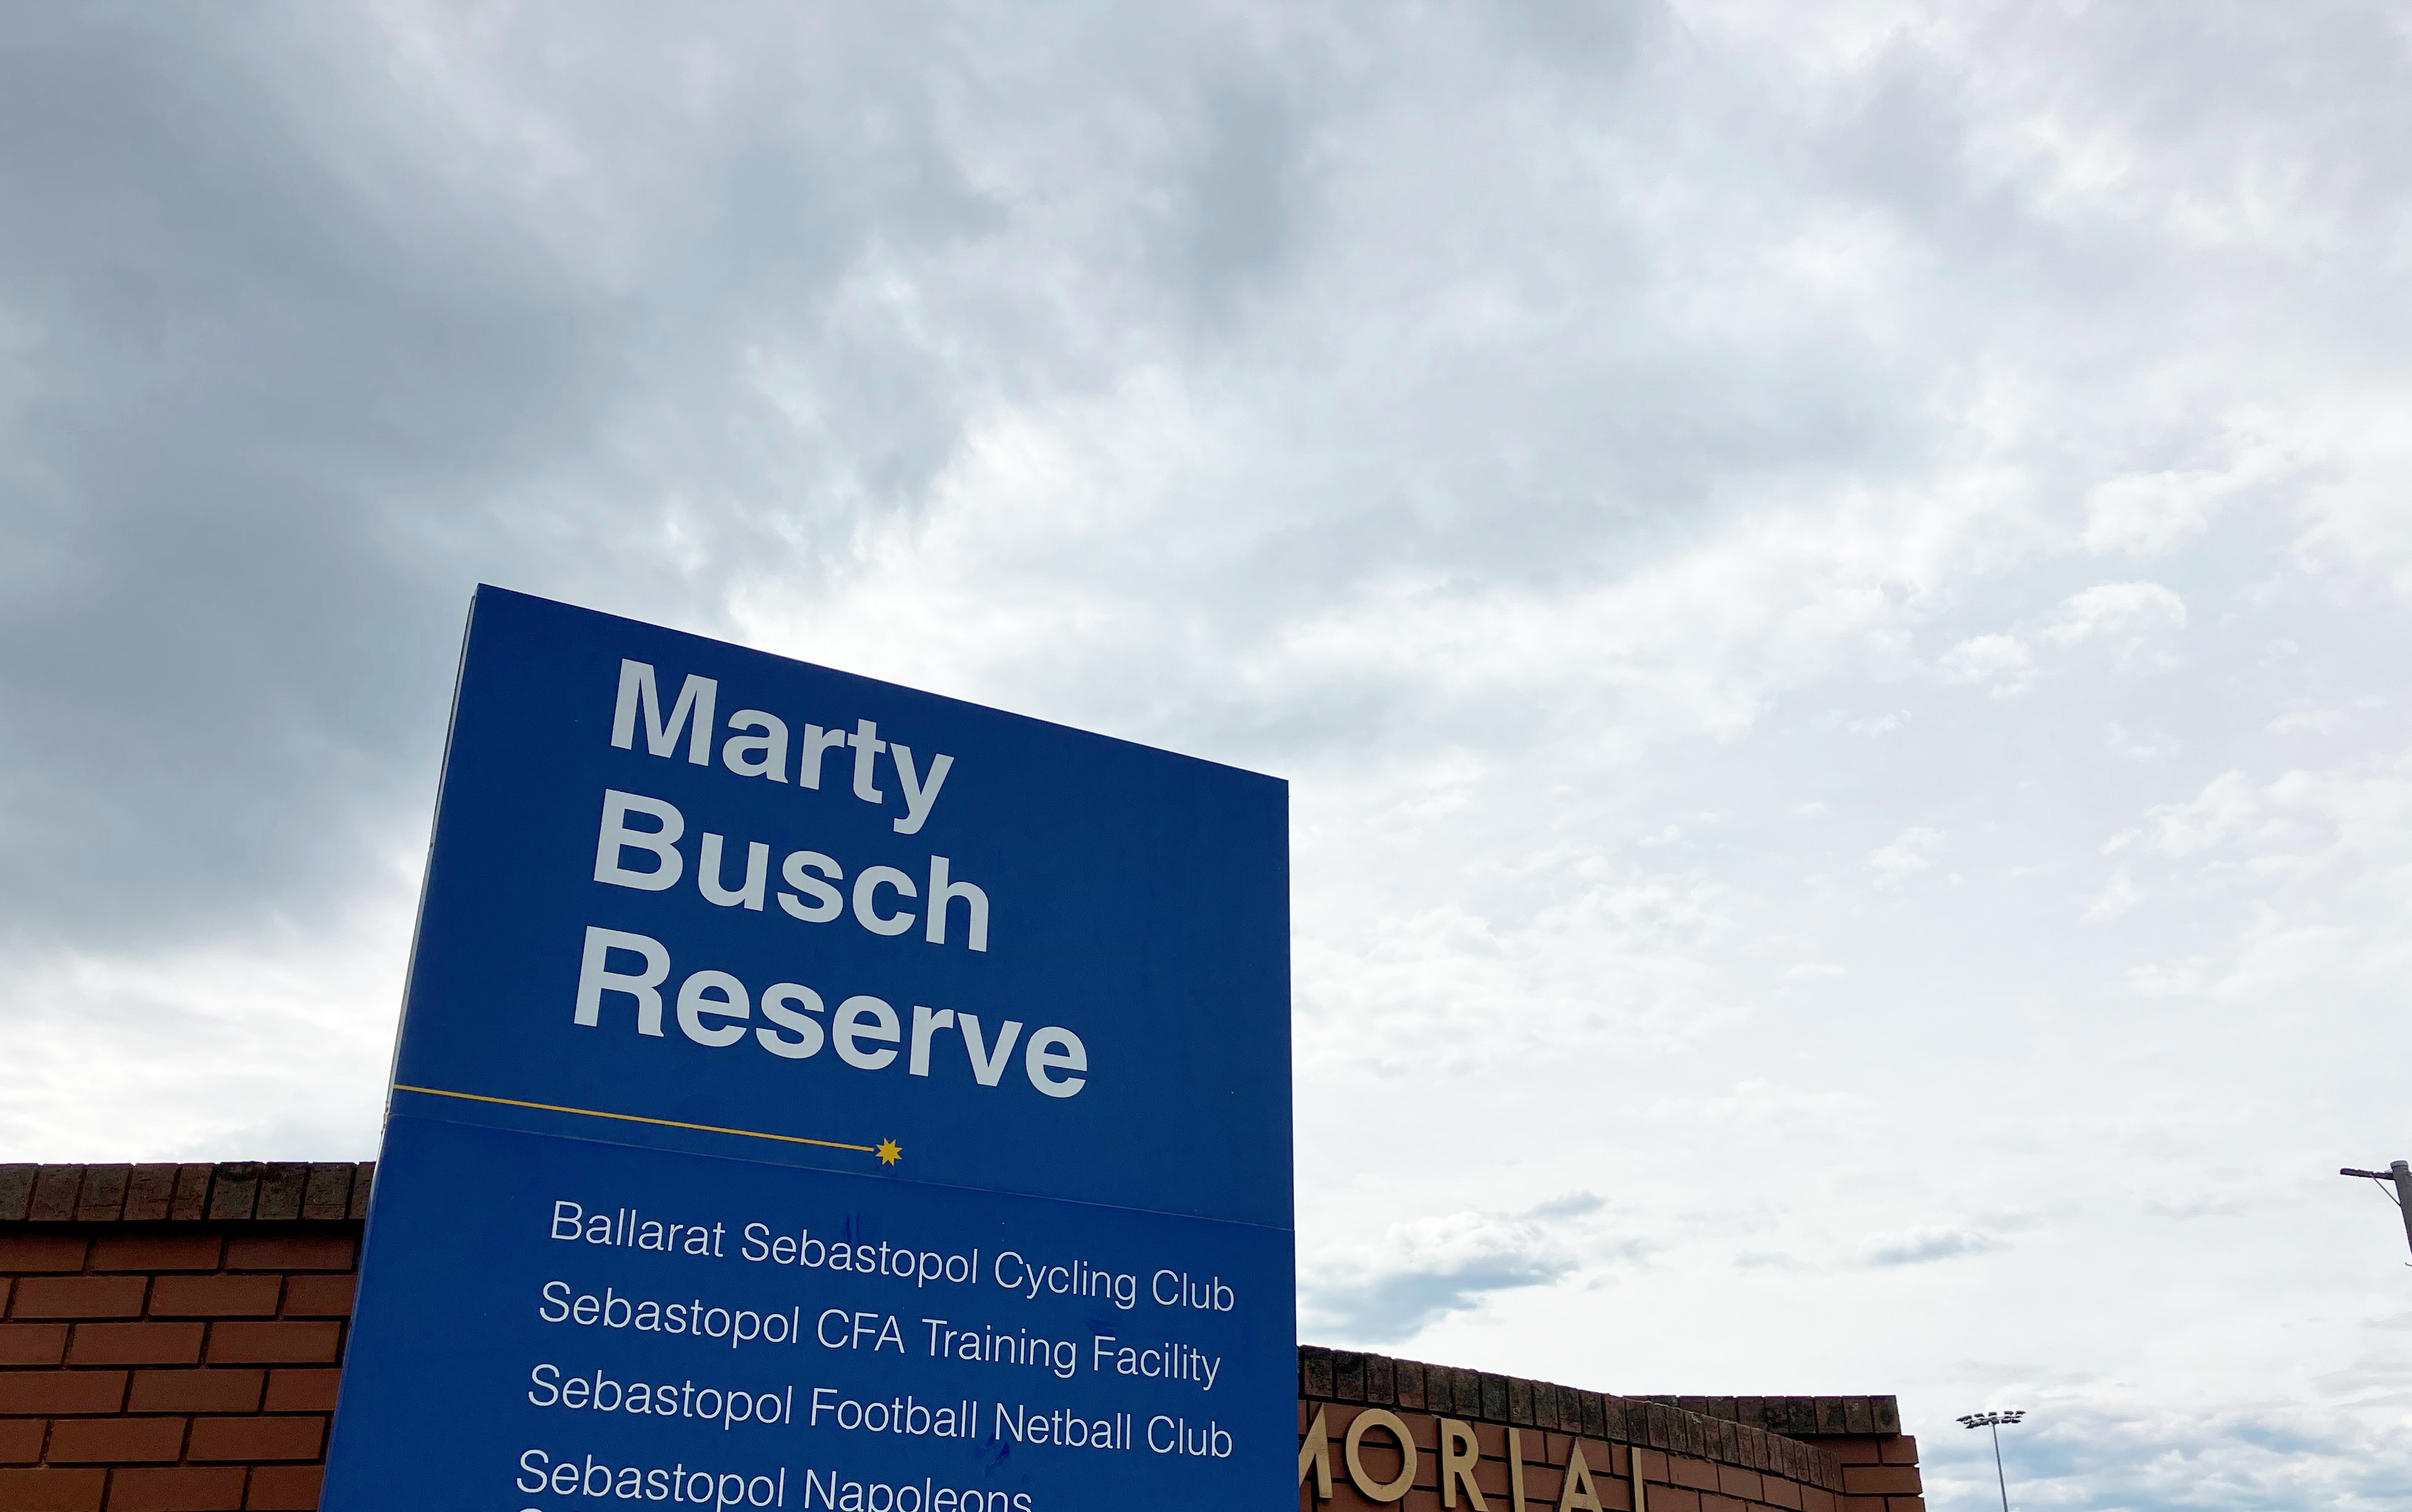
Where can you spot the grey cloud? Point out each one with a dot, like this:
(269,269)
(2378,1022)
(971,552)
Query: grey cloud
(1924,1245)
(291,383)
(1573,1205)
(1234,224)
(240,363)
(1425,1271)
(313,348)
(1593,40)
(1395,1307)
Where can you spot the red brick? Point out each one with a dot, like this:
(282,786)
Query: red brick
(52,1491)
(185,1489)
(103,1199)
(320,1296)
(303,1390)
(81,1297)
(1738,1482)
(275,1344)
(1674,1499)
(115,1440)
(285,1487)
(1880,1480)
(55,1189)
(329,1191)
(20,1439)
(289,1252)
(32,1343)
(22,1252)
(1781,1493)
(196,1392)
(192,1192)
(281,1185)
(1698,1473)
(1855,1451)
(257,1438)
(150,1194)
(1711,1501)
(155,1252)
(54,1392)
(136,1344)
(234,1188)
(1902,1450)
(215,1296)
(16,1189)
(1864,1504)
(1904,1504)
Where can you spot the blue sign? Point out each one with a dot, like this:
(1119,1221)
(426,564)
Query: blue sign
(815,1094)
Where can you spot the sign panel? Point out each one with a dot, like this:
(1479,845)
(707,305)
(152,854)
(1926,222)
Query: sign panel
(816,1094)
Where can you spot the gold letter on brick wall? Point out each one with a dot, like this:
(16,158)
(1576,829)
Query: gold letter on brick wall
(1580,1495)
(1515,1471)
(1459,1451)
(1380,1490)
(1317,1452)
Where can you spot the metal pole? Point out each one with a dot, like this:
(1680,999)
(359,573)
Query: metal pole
(2002,1480)
(2402,1172)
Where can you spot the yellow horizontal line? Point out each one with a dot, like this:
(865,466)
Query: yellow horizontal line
(633,1118)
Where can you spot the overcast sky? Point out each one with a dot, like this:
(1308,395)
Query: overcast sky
(1834,585)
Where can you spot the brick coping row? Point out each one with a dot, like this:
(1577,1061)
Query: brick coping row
(226,1191)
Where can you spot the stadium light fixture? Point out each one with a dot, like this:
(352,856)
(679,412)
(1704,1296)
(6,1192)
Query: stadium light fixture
(1993,1422)
(2398,1176)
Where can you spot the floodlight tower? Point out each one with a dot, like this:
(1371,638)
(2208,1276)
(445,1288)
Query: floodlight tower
(2400,1173)
(1993,1421)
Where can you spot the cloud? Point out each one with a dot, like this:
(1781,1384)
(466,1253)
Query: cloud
(1912,850)
(2309,722)
(2137,747)
(2131,617)
(1996,659)
(1424,1270)
(2225,808)
(2117,897)
(2181,979)
(1923,1245)
(2145,514)
(2128,616)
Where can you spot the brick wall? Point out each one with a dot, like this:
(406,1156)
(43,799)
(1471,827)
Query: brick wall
(171,1338)
(1692,1454)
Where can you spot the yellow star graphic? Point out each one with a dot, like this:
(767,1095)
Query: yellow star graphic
(890,1151)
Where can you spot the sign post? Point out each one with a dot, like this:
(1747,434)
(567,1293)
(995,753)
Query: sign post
(817,1094)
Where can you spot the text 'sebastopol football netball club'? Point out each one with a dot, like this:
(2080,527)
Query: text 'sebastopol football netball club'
(817,1094)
